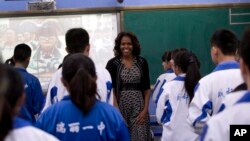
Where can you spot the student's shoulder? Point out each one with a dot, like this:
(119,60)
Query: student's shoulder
(29,133)
(208,78)
(33,77)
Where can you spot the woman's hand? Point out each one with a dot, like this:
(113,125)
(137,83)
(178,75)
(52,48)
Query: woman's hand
(140,119)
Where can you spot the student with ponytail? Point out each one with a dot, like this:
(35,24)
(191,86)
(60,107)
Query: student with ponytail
(12,96)
(172,107)
(81,116)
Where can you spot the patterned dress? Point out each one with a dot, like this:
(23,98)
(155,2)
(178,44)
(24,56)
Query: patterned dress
(131,103)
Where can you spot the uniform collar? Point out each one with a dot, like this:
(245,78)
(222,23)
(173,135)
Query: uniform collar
(19,123)
(180,77)
(244,98)
(169,71)
(21,69)
(227,65)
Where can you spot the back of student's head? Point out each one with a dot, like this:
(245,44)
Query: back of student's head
(11,90)
(245,47)
(166,56)
(77,40)
(175,51)
(79,73)
(225,40)
(189,64)
(21,53)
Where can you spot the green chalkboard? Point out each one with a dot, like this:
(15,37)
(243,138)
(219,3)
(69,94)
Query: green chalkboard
(160,30)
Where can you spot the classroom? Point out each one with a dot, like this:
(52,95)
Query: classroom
(134,46)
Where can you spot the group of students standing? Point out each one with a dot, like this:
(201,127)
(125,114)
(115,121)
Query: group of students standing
(193,108)
(81,98)
(79,101)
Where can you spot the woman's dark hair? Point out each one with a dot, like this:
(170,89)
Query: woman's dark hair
(166,56)
(244,50)
(135,43)
(79,72)
(188,63)
(11,90)
(226,41)
(76,40)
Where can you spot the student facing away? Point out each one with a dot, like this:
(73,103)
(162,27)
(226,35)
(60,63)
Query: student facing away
(80,116)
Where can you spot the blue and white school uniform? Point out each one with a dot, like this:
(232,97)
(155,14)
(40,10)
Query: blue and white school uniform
(67,122)
(161,80)
(231,99)
(218,127)
(211,90)
(34,100)
(23,131)
(172,111)
(57,91)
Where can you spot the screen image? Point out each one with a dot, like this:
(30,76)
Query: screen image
(46,37)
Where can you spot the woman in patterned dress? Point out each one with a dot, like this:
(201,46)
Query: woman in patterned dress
(130,77)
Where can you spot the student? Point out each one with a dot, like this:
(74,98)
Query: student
(165,77)
(172,107)
(211,89)
(34,99)
(233,97)
(77,41)
(218,127)
(11,98)
(80,116)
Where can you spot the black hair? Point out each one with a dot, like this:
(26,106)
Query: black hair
(226,41)
(79,72)
(245,47)
(21,53)
(166,56)
(11,90)
(135,43)
(65,57)
(189,65)
(240,87)
(10,62)
(76,40)
(175,51)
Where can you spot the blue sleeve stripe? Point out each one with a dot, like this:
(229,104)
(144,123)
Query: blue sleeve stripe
(160,91)
(109,88)
(204,132)
(156,85)
(167,113)
(207,106)
(222,107)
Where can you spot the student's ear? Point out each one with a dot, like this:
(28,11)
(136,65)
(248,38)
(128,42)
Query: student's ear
(86,51)
(66,49)
(65,83)
(28,59)
(214,53)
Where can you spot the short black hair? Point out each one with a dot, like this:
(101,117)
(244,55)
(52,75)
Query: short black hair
(225,40)
(76,40)
(22,52)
